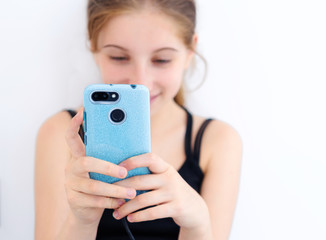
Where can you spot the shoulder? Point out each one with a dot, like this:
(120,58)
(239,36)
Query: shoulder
(55,125)
(221,133)
(51,135)
(220,143)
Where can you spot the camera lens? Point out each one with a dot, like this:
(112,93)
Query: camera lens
(95,96)
(117,115)
(100,96)
(104,96)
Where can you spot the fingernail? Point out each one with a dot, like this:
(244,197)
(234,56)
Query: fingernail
(121,202)
(116,214)
(122,172)
(129,218)
(130,193)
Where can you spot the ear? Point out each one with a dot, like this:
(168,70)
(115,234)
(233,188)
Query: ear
(192,50)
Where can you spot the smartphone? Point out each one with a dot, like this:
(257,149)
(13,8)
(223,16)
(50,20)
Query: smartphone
(117,125)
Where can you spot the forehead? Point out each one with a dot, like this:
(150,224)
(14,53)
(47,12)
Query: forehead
(144,29)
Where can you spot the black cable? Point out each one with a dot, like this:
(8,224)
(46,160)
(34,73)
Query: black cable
(125,224)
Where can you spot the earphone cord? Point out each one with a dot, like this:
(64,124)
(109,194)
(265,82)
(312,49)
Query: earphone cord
(125,224)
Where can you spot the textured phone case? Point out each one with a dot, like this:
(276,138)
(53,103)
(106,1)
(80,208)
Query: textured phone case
(116,142)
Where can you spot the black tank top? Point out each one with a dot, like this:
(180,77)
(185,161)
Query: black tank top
(161,229)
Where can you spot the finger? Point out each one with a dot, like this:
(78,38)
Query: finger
(142,182)
(98,188)
(150,160)
(148,199)
(73,139)
(149,214)
(90,164)
(85,200)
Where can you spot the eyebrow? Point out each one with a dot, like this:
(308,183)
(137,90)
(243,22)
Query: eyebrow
(115,46)
(124,49)
(166,48)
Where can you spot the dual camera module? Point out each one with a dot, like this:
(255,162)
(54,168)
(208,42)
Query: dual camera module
(99,96)
(117,115)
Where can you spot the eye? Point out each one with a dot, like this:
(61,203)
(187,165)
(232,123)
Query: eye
(162,61)
(119,58)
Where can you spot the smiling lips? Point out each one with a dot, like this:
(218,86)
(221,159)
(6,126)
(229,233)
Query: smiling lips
(154,96)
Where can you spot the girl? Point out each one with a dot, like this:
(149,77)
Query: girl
(195,163)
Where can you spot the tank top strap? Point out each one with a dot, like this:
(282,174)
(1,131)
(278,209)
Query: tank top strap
(199,139)
(188,134)
(71,112)
(81,132)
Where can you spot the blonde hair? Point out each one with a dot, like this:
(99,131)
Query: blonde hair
(99,12)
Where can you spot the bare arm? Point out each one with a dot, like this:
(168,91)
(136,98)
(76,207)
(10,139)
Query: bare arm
(68,203)
(221,182)
(52,154)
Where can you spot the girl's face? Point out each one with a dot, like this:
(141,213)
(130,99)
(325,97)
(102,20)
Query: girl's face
(143,48)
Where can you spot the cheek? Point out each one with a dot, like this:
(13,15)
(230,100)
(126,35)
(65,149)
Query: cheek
(172,80)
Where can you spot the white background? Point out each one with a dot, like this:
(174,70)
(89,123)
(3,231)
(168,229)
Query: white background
(266,78)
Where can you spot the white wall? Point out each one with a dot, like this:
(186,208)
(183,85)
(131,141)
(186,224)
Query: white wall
(266,70)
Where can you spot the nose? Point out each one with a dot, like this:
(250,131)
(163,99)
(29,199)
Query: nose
(141,74)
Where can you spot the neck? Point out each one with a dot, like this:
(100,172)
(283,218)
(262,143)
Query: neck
(166,118)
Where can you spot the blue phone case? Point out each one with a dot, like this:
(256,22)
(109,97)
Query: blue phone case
(115,142)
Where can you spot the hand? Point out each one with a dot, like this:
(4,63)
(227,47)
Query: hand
(87,197)
(170,195)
